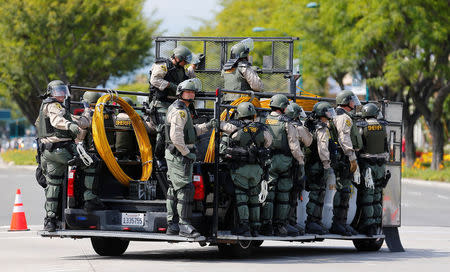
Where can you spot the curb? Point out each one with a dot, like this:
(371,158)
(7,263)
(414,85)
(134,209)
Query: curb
(426,182)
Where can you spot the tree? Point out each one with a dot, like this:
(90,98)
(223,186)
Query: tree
(400,46)
(77,41)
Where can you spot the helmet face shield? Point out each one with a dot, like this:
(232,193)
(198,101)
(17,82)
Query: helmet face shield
(302,114)
(188,58)
(330,113)
(248,43)
(197,83)
(356,101)
(60,91)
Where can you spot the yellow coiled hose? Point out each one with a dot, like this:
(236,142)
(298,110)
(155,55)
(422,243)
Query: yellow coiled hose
(102,145)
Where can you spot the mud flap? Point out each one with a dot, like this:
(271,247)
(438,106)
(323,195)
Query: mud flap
(392,239)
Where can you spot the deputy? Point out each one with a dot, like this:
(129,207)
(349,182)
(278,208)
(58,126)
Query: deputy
(319,166)
(349,142)
(285,151)
(238,73)
(56,129)
(372,162)
(245,149)
(295,112)
(181,135)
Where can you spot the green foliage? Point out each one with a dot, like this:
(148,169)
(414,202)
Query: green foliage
(20,157)
(427,174)
(77,41)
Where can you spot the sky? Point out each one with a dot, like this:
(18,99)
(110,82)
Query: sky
(178,15)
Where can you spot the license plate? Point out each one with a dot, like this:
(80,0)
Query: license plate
(133,219)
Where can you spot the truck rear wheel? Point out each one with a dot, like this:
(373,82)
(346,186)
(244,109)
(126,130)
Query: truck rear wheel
(368,244)
(109,246)
(241,249)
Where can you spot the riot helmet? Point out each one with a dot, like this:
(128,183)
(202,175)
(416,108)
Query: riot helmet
(345,97)
(295,111)
(241,49)
(192,84)
(91,97)
(245,109)
(57,88)
(182,53)
(371,110)
(279,101)
(324,109)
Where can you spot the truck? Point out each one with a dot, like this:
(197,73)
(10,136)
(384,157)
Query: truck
(136,205)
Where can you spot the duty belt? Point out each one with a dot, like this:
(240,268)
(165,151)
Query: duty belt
(52,146)
(374,156)
(174,151)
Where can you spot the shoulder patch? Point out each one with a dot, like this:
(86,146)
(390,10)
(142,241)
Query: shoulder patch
(348,122)
(164,67)
(58,105)
(182,114)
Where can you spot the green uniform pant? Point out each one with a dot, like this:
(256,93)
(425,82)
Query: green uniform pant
(316,185)
(343,191)
(56,164)
(180,195)
(276,207)
(90,182)
(370,200)
(246,180)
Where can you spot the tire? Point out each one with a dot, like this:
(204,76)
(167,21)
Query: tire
(257,244)
(109,246)
(368,244)
(241,249)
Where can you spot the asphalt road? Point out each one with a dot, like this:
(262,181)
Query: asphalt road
(425,234)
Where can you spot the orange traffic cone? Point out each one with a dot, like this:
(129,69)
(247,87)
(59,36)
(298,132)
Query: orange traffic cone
(18,220)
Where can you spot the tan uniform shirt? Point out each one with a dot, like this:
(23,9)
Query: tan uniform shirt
(252,78)
(159,71)
(304,135)
(323,137)
(177,119)
(293,140)
(56,113)
(344,124)
(230,128)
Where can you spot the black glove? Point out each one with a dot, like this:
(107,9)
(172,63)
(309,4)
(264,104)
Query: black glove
(387,177)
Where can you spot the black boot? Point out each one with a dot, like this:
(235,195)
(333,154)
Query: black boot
(266,230)
(291,230)
(315,228)
(243,230)
(338,228)
(172,228)
(93,205)
(188,231)
(280,230)
(351,230)
(50,224)
(299,228)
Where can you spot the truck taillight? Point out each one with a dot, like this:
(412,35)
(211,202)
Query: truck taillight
(199,187)
(70,181)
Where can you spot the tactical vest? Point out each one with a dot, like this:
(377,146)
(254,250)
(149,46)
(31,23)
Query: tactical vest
(246,144)
(108,123)
(373,135)
(175,74)
(312,152)
(189,133)
(354,134)
(125,140)
(277,127)
(234,80)
(44,127)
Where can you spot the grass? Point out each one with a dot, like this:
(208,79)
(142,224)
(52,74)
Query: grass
(20,157)
(427,174)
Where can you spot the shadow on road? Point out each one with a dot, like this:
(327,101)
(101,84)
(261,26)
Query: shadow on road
(275,254)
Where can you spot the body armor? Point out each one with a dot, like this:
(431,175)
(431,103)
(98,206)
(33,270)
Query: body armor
(189,129)
(175,74)
(277,127)
(45,129)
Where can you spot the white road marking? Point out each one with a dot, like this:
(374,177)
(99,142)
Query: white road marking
(443,197)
